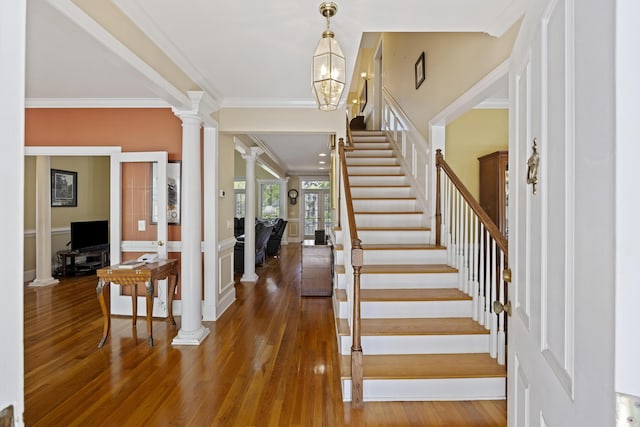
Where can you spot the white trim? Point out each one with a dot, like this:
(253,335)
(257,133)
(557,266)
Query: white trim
(96,103)
(28,275)
(71,151)
(226,244)
(504,20)
(148,246)
(55,231)
(493,104)
(272,103)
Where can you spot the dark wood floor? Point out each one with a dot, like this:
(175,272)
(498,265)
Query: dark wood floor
(271,360)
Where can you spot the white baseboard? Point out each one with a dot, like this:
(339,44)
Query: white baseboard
(28,276)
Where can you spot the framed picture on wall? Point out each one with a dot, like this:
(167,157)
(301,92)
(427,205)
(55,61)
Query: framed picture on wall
(64,188)
(419,70)
(174,182)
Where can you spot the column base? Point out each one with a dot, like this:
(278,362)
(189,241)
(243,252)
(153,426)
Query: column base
(44,282)
(253,278)
(191,337)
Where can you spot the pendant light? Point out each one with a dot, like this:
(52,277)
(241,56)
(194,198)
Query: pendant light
(328,65)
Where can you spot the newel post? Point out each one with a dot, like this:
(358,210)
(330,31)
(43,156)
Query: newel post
(356,346)
(438,196)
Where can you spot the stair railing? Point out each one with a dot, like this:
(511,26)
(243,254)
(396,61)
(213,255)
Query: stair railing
(477,248)
(353,256)
(413,150)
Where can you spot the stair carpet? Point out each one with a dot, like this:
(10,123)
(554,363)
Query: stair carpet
(418,338)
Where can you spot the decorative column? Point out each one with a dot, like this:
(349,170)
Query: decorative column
(192,332)
(249,274)
(43,223)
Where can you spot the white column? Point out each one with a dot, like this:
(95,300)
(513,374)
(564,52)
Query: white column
(43,223)
(211,203)
(249,274)
(192,332)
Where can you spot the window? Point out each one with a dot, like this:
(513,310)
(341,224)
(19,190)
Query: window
(316,206)
(240,198)
(269,207)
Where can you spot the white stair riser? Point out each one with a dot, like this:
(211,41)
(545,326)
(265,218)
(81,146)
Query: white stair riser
(373,170)
(340,308)
(390,220)
(393,236)
(397,256)
(418,344)
(370,153)
(415,256)
(429,389)
(373,145)
(378,192)
(403,281)
(410,309)
(415,309)
(384,205)
(361,160)
(377,180)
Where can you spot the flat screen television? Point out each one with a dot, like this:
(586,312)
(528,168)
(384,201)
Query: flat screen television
(89,235)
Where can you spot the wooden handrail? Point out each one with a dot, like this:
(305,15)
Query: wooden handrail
(349,143)
(351,217)
(491,227)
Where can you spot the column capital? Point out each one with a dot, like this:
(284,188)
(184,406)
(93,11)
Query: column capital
(190,113)
(253,153)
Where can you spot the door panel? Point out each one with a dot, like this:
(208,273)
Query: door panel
(140,196)
(541,332)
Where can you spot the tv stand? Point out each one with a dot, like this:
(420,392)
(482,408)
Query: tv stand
(93,260)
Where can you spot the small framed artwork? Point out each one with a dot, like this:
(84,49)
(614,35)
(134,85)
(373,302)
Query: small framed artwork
(174,183)
(419,71)
(363,97)
(64,188)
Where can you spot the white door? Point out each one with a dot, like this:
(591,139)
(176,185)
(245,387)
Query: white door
(143,207)
(548,380)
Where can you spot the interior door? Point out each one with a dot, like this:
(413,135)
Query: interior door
(542,333)
(143,224)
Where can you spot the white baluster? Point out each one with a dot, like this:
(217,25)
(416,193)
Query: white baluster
(474,266)
(488,280)
(501,318)
(482,281)
(494,283)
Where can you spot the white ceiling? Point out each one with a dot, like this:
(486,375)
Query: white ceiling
(241,53)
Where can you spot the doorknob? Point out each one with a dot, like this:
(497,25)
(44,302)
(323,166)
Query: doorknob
(506,274)
(160,243)
(498,307)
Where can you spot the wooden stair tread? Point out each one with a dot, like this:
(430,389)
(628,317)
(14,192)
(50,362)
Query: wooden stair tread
(382,186)
(437,294)
(377,175)
(406,269)
(383,198)
(426,366)
(341,294)
(415,326)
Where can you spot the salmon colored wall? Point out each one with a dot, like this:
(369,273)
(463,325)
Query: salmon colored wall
(133,129)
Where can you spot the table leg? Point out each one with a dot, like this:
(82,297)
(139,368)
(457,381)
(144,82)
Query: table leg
(150,284)
(105,310)
(134,304)
(173,282)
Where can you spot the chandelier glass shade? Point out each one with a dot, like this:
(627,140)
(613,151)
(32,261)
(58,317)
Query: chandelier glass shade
(328,66)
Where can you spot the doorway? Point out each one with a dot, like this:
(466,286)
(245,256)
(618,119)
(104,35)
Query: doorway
(316,206)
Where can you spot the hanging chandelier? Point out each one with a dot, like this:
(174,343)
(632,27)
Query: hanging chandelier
(328,65)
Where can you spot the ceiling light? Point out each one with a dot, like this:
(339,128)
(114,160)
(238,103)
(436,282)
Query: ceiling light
(328,65)
(322,162)
(322,154)
(363,74)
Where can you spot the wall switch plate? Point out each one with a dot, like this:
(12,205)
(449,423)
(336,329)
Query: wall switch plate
(142,225)
(222,193)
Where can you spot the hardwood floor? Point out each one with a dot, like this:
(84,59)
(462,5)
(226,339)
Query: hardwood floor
(271,360)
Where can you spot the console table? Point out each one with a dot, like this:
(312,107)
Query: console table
(149,274)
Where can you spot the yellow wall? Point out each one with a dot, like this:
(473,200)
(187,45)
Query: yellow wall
(472,135)
(93,200)
(226,175)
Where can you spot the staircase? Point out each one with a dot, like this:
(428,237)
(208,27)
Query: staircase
(418,337)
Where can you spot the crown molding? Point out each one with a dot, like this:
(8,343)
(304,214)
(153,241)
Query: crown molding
(269,103)
(96,103)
